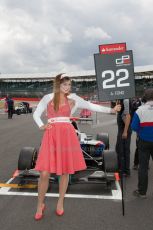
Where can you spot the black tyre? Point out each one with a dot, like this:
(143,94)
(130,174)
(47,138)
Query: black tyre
(24,111)
(110,160)
(18,112)
(27,158)
(30,110)
(104,137)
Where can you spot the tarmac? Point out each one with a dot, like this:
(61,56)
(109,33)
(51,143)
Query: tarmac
(94,210)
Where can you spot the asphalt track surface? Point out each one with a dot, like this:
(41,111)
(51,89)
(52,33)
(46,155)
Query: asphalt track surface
(16,212)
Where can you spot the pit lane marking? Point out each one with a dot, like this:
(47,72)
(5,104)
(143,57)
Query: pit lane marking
(6,189)
(116,194)
(3,185)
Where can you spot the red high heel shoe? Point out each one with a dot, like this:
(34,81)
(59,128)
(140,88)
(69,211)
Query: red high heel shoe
(39,216)
(59,212)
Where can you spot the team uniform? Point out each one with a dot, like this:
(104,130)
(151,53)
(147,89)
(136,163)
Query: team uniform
(60,150)
(142,123)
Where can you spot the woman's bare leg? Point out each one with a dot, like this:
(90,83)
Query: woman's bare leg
(42,189)
(63,184)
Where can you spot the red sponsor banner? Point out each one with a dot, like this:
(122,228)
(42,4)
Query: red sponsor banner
(112,48)
(22,99)
(26,99)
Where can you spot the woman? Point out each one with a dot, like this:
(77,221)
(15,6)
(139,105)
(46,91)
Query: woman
(60,150)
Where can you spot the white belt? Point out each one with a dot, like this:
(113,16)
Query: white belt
(59,119)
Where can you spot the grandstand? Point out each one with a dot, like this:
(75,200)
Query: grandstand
(83,83)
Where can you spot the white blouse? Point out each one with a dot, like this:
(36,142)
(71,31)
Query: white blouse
(79,103)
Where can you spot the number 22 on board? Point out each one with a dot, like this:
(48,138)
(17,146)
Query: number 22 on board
(120,81)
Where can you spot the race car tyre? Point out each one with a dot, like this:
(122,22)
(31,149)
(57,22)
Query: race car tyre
(24,111)
(30,110)
(18,112)
(104,137)
(110,160)
(27,158)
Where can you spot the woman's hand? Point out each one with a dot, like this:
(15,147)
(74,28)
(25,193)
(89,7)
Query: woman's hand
(117,108)
(47,126)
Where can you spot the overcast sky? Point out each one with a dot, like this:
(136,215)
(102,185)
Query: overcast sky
(62,35)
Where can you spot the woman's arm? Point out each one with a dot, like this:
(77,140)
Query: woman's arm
(42,105)
(83,104)
(71,103)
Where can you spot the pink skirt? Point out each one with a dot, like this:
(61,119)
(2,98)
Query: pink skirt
(60,150)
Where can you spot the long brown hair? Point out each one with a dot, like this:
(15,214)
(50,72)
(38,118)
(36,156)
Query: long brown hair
(57,82)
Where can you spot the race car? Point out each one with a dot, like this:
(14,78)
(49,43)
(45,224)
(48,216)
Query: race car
(101,161)
(22,108)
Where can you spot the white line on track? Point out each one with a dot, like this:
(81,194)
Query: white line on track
(116,194)
(6,189)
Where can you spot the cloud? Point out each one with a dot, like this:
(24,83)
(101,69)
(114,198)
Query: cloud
(96,33)
(48,35)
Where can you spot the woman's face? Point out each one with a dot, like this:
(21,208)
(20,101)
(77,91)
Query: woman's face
(65,87)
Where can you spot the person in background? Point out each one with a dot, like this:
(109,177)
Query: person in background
(10,106)
(124,137)
(26,104)
(136,102)
(142,124)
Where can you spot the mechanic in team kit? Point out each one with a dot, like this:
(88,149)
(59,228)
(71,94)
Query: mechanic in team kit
(142,124)
(60,150)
